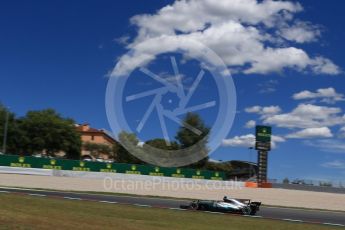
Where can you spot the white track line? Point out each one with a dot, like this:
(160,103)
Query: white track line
(292,220)
(178,209)
(219,213)
(143,205)
(256,216)
(34,194)
(108,202)
(340,225)
(99,194)
(71,198)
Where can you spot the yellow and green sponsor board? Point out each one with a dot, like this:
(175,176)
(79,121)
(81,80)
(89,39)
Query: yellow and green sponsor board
(75,165)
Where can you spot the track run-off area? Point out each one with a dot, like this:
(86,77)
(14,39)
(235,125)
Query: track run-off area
(331,218)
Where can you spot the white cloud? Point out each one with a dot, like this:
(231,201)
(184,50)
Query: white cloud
(276,59)
(301,32)
(240,141)
(236,30)
(307,116)
(140,144)
(193,15)
(323,65)
(342,132)
(253,109)
(328,145)
(263,110)
(276,139)
(271,110)
(312,133)
(123,40)
(248,140)
(268,86)
(214,160)
(327,95)
(250,124)
(337,164)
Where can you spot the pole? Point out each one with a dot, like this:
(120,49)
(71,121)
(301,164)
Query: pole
(250,161)
(5,133)
(262,166)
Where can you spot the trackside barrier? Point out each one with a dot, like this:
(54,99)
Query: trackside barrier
(26,171)
(258,185)
(251,184)
(84,166)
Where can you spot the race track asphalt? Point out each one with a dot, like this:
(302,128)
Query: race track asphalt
(287,214)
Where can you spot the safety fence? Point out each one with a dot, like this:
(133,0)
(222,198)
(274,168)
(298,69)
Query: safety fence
(87,166)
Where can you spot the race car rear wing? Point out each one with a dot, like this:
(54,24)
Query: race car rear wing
(249,202)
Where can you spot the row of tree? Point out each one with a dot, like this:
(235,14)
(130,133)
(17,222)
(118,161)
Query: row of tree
(185,138)
(47,131)
(40,131)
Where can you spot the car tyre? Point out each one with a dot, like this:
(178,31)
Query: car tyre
(246,210)
(194,206)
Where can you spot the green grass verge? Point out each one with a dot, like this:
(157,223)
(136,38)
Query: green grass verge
(25,212)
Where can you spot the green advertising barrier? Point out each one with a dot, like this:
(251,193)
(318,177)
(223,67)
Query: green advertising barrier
(86,166)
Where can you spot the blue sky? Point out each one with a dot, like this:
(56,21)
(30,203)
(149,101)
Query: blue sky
(60,55)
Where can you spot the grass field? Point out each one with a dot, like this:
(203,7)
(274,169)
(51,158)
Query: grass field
(25,212)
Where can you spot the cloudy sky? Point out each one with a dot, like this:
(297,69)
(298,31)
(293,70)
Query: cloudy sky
(286,59)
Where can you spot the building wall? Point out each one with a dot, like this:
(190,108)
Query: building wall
(95,136)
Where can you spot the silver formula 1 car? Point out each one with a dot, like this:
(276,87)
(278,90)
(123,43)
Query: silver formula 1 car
(227,205)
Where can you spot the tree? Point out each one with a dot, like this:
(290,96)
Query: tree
(122,154)
(97,149)
(188,138)
(325,184)
(162,144)
(225,167)
(46,131)
(15,137)
(286,180)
